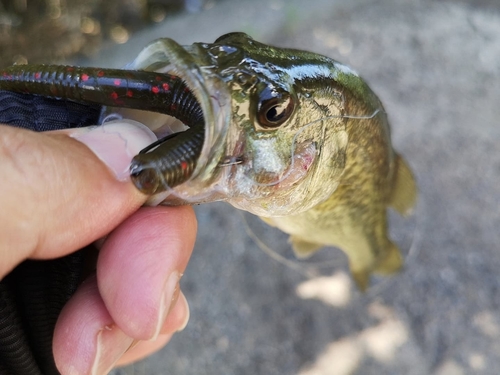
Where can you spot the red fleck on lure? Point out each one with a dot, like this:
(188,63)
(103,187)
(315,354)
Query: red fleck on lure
(175,156)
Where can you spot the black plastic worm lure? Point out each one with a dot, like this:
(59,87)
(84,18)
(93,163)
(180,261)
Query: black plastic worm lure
(174,156)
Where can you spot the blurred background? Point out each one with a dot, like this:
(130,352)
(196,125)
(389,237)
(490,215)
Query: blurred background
(436,66)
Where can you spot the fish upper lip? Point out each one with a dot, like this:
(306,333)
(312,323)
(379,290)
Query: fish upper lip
(191,65)
(214,98)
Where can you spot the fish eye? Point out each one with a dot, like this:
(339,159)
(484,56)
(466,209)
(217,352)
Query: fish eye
(274,108)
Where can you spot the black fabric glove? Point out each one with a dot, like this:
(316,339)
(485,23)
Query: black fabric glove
(33,294)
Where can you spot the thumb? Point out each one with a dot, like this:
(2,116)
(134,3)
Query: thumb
(57,195)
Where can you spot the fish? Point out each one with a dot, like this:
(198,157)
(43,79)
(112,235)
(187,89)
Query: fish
(294,137)
(298,139)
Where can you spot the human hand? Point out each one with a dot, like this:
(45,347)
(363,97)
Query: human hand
(56,197)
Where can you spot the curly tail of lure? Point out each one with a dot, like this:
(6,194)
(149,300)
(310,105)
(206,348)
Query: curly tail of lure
(174,159)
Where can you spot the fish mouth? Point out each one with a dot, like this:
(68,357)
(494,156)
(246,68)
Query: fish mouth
(267,191)
(195,151)
(262,173)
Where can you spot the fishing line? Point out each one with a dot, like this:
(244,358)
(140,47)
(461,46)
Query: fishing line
(111,117)
(294,265)
(312,269)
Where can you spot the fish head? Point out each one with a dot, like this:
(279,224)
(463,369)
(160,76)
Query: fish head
(275,137)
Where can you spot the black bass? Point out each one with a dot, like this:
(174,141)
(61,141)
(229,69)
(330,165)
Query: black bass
(294,137)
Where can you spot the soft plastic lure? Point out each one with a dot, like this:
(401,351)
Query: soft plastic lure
(144,90)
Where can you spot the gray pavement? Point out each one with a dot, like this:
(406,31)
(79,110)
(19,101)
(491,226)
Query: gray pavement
(436,67)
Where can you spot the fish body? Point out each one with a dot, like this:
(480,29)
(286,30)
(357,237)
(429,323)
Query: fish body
(353,218)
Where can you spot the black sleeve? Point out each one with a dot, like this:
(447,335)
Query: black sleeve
(33,294)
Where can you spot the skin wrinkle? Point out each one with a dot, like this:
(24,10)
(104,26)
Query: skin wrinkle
(13,143)
(63,167)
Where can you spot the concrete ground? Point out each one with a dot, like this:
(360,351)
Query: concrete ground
(436,67)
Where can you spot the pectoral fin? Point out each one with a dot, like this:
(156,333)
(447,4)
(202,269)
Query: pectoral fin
(362,279)
(303,249)
(269,221)
(388,262)
(404,189)
(391,263)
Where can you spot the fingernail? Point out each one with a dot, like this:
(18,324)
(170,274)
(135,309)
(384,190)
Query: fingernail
(169,293)
(112,343)
(116,143)
(182,299)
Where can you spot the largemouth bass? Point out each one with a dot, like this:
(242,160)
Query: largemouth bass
(294,137)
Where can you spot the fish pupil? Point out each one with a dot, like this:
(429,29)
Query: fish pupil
(273,115)
(275,111)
